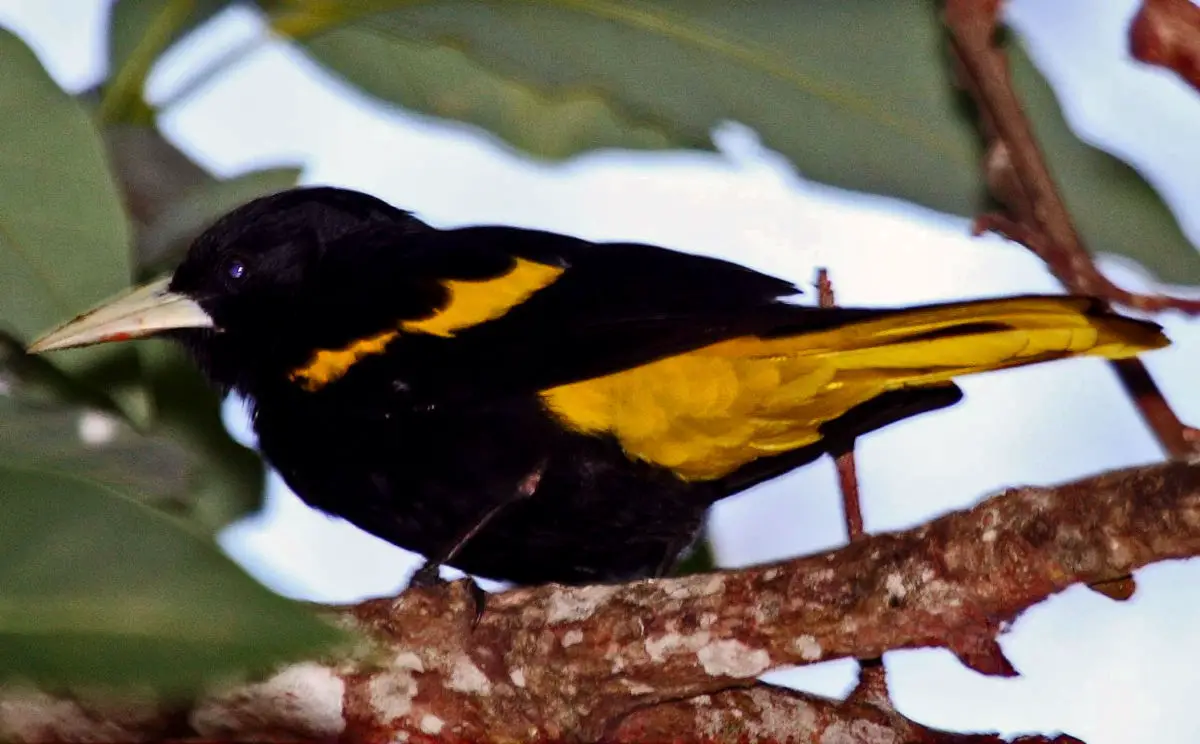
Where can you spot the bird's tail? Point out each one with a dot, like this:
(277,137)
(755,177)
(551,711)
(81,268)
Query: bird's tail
(876,368)
(934,343)
(783,397)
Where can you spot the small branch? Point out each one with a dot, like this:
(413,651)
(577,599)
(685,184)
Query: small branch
(1167,33)
(1084,279)
(847,468)
(872,674)
(1178,439)
(1015,169)
(1019,178)
(825,295)
(554,662)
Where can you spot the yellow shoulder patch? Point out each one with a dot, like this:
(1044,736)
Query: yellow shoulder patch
(474,302)
(470,303)
(328,365)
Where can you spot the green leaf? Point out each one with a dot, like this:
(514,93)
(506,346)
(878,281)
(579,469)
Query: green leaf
(172,199)
(165,240)
(139,32)
(34,379)
(54,436)
(856,93)
(184,462)
(98,590)
(64,238)
(151,171)
(446,82)
(225,479)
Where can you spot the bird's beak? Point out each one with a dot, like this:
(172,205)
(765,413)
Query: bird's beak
(143,311)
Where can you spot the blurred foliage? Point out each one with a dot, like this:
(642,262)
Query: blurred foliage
(100,591)
(63,234)
(856,93)
(124,596)
(139,32)
(100,586)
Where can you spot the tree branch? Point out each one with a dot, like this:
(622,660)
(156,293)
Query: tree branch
(1016,171)
(772,714)
(554,662)
(1019,178)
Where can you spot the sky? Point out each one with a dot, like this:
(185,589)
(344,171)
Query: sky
(1106,672)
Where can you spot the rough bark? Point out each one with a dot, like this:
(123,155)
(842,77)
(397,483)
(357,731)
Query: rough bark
(629,662)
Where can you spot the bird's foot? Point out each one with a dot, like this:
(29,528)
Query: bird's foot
(428,576)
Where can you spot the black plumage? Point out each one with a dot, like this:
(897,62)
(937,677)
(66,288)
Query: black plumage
(418,381)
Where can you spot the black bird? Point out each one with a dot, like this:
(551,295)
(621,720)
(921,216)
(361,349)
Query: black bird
(535,407)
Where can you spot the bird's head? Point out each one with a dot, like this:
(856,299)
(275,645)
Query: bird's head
(262,289)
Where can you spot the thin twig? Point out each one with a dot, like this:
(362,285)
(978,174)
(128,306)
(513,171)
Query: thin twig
(847,468)
(1083,279)
(1019,178)
(872,687)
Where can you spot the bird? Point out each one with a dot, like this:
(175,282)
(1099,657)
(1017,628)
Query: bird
(533,407)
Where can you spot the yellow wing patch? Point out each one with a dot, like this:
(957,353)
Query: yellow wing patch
(469,303)
(328,365)
(475,302)
(708,412)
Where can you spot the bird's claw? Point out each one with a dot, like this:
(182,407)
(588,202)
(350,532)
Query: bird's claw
(428,576)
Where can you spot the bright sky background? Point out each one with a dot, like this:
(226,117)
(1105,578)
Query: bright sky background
(1110,673)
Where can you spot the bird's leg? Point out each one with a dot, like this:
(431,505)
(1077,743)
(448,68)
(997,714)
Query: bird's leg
(427,575)
(678,553)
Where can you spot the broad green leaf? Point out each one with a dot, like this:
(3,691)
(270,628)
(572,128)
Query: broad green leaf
(225,479)
(139,32)
(64,239)
(98,590)
(55,436)
(445,82)
(152,172)
(171,199)
(165,240)
(857,93)
(183,462)
(35,380)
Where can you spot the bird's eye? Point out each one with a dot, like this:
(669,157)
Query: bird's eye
(235,269)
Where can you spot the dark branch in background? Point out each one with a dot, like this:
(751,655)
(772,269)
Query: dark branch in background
(1018,177)
(1080,275)
(593,662)
(1167,33)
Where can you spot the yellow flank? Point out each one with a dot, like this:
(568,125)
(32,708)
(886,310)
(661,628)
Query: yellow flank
(708,412)
(328,365)
(473,302)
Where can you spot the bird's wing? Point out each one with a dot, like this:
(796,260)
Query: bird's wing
(695,364)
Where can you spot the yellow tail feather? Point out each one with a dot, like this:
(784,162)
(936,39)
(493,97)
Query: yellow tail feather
(708,412)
